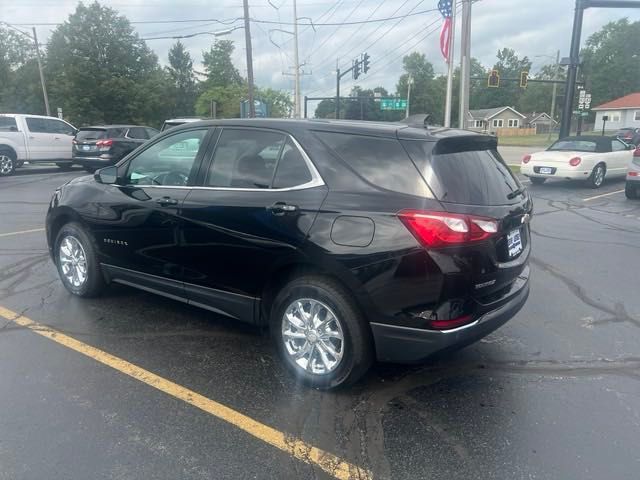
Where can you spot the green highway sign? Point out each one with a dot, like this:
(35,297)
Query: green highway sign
(393,104)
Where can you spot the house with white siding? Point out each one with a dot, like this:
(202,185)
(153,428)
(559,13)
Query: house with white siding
(622,112)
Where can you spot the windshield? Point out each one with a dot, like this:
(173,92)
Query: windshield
(571,145)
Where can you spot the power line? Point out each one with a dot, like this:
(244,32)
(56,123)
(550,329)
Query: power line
(329,36)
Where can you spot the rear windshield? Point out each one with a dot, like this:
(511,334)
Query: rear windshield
(475,177)
(91,134)
(574,146)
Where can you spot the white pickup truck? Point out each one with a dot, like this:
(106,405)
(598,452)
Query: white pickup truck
(33,139)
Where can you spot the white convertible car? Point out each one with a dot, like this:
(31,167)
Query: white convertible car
(589,158)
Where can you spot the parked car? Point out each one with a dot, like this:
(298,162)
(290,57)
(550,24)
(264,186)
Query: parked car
(97,147)
(629,135)
(174,122)
(588,158)
(33,139)
(356,241)
(632,185)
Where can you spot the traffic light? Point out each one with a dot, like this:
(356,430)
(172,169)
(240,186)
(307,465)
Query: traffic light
(494,79)
(356,69)
(365,63)
(524,79)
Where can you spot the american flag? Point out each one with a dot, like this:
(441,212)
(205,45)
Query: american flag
(445,7)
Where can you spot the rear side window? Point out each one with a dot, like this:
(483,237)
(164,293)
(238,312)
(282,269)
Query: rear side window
(91,134)
(37,125)
(138,133)
(380,161)
(292,170)
(8,124)
(474,177)
(151,132)
(116,132)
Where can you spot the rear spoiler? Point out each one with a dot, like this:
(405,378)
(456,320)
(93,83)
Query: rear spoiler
(464,143)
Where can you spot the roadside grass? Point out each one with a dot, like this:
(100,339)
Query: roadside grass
(541,140)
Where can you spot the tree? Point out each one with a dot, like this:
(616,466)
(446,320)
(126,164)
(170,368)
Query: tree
(279,102)
(183,83)
(423,88)
(20,89)
(219,66)
(102,72)
(611,61)
(229,97)
(509,66)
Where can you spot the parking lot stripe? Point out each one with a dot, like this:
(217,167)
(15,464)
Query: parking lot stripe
(603,195)
(332,464)
(33,230)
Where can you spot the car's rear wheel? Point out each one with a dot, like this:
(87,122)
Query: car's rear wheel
(7,163)
(630,191)
(320,333)
(537,180)
(77,262)
(597,176)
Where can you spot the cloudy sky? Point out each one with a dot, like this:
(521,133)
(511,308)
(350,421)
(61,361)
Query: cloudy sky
(536,28)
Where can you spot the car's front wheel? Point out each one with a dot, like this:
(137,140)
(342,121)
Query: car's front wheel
(77,261)
(320,333)
(7,163)
(597,176)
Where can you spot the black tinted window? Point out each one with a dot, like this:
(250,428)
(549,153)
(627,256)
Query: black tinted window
(116,132)
(58,126)
(91,134)
(381,161)
(37,125)
(8,124)
(138,133)
(151,132)
(475,177)
(245,158)
(292,170)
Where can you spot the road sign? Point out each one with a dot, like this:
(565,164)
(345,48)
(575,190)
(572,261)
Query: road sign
(393,104)
(261,108)
(584,100)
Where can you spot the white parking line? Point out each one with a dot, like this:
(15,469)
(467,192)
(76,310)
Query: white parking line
(603,195)
(23,231)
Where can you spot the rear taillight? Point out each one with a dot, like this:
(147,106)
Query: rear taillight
(575,161)
(632,173)
(449,324)
(74,141)
(526,159)
(104,143)
(441,229)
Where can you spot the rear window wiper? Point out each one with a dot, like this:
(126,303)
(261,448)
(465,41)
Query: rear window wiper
(515,193)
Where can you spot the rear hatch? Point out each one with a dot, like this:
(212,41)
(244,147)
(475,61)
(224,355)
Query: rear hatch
(473,183)
(85,142)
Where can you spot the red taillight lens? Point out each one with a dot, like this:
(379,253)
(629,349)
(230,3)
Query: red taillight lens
(526,159)
(575,161)
(449,324)
(441,229)
(632,173)
(104,143)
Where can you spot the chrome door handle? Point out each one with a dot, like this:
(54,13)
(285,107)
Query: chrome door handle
(280,208)
(166,201)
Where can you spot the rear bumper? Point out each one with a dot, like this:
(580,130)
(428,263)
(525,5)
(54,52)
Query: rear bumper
(413,345)
(560,173)
(96,162)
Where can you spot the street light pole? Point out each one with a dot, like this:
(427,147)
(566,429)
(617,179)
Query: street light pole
(465,62)
(556,74)
(409,82)
(296,59)
(247,37)
(448,98)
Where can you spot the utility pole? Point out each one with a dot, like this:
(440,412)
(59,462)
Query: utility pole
(44,86)
(296,103)
(574,58)
(338,76)
(409,82)
(554,92)
(247,38)
(448,99)
(465,62)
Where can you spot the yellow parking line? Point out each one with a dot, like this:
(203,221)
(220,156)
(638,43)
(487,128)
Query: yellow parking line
(21,232)
(332,464)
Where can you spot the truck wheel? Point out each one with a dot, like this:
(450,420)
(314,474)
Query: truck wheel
(7,163)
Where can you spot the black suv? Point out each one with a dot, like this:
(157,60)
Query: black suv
(97,147)
(352,240)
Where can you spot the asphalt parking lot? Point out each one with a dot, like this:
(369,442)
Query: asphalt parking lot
(132,385)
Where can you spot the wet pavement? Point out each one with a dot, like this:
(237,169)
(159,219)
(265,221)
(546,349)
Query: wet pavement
(554,394)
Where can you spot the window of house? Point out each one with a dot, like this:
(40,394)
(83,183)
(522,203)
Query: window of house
(636,117)
(498,123)
(613,116)
(513,122)
(478,124)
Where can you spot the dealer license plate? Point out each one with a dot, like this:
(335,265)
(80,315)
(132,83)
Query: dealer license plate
(514,243)
(86,147)
(545,170)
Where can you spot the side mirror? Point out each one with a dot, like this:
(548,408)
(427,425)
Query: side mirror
(107,175)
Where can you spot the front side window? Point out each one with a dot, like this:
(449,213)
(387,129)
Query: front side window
(245,158)
(137,133)
(169,162)
(617,145)
(8,124)
(58,126)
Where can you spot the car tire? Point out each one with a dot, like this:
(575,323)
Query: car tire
(630,191)
(338,353)
(77,262)
(537,180)
(596,179)
(7,163)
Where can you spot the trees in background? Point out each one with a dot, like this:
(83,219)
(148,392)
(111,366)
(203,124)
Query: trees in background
(183,83)
(19,78)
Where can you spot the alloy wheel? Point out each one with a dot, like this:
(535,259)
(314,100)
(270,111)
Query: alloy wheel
(73,261)
(6,164)
(313,336)
(598,175)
